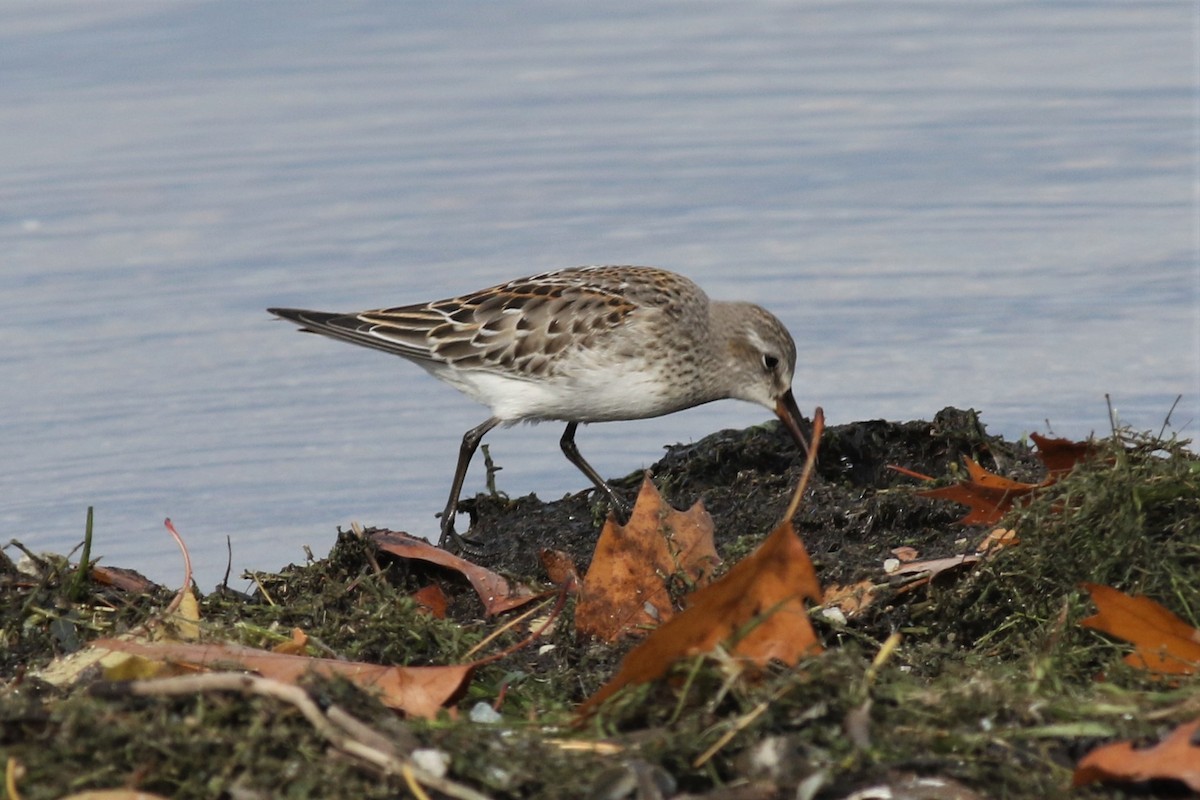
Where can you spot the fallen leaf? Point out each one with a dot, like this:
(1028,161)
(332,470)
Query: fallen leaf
(496,593)
(127,580)
(935,566)
(1177,757)
(560,568)
(757,608)
(625,590)
(996,540)
(82,664)
(420,691)
(432,599)
(853,599)
(295,646)
(1165,643)
(185,622)
(850,599)
(1061,455)
(988,496)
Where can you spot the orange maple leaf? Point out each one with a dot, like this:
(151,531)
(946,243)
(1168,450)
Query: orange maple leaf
(625,590)
(1165,643)
(990,496)
(757,608)
(761,597)
(1174,758)
(1061,455)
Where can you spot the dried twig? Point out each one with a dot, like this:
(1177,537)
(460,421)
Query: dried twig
(809,463)
(187,568)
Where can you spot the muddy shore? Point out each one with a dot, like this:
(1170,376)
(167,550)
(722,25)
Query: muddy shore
(993,688)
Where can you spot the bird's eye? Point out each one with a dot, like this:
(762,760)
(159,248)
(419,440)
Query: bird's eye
(770,362)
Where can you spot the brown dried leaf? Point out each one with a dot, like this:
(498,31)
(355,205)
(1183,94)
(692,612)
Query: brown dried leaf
(421,691)
(496,593)
(1176,757)
(1061,455)
(560,568)
(432,599)
(850,599)
(988,496)
(295,646)
(625,590)
(1165,643)
(127,580)
(757,608)
(996,540)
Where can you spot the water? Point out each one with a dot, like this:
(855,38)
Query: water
(988,205)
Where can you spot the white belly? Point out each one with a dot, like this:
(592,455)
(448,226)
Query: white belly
(585,396)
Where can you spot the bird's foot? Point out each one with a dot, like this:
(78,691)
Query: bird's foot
(454,542)
(618,507)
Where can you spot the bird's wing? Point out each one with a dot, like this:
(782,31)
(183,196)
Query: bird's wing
(523,328)
(398,340)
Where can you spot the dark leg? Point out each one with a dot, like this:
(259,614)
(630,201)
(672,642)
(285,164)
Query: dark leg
(470,442)
(567,443)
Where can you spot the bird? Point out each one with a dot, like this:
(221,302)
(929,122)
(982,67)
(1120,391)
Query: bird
(581,345)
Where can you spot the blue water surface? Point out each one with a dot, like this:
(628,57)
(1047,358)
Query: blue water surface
(988,205)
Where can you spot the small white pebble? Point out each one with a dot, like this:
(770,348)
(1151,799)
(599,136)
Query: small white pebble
(27,566)
(766,757)
(483,713)
(435,762)
(890,565)
(834,614)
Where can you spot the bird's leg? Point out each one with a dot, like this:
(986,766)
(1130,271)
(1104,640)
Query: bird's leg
(470,442)
(571,451)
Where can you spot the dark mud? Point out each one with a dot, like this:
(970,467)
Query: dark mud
(857,508)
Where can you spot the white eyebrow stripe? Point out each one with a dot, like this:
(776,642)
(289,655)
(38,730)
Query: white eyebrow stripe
(754,338)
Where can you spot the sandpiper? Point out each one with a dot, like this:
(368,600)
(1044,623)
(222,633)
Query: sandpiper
(586,344)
